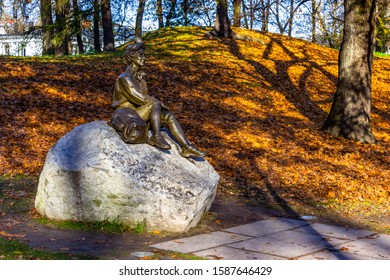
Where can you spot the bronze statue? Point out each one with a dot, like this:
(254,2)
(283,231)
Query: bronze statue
(131,93)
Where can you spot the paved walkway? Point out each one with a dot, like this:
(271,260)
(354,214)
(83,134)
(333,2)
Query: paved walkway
(281,238)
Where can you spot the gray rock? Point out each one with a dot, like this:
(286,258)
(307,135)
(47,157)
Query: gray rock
(91,175)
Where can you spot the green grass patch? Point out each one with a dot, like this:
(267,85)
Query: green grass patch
(382,55)
(140,227)
(103,226)
(15,250)
(175,255)
(15,194)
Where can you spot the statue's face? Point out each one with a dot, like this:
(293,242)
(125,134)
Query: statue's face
(139,58)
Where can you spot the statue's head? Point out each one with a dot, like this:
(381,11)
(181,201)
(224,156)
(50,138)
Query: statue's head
(133,50)
(130,126)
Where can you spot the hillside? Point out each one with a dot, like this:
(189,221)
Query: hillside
(255,106)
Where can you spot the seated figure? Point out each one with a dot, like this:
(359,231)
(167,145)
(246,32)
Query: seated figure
(131,92)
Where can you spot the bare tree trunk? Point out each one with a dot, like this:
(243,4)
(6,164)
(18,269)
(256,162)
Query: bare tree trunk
(138,22)
(47,28)
(108,32)
(280,9)
(349,116)
(77,25)
(171,12)
(265,7)
(277,15)
(222,23)
(291,18)
(325,31)
(251,14)
(313,20)
(96,29)
(160,14)
(245,15)
(185,7)
(237,13)
(62,11)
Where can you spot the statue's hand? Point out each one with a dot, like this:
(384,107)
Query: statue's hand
(139,75)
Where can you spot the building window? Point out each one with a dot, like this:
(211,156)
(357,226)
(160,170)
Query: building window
(6,49)
(22,49)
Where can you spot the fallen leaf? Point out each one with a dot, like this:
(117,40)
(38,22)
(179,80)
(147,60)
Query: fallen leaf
(331,194)
(14,235)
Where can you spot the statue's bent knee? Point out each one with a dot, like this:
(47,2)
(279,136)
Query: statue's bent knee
(170,118)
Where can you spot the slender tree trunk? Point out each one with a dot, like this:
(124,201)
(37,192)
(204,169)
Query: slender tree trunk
(62,27)
(245,15)
(108,32)
(265,7)
(349,116)
(185,7)
(277,16)
(251,14)
(77,25)
(291,18)
(325,30)
(171,12)
(160,14)
(96,29)
(314,20)
(47,28)
(138,22)
(222,23)
(237,13)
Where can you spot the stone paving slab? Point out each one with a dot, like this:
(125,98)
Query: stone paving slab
(377,247)
(288,244)
(275,239)
(334,255)
(334,231)
(200,242)
(266,227)
(227,253)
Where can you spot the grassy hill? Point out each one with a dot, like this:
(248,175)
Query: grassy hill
(255,106)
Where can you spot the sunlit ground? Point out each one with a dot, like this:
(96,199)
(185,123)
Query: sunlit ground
(256,108)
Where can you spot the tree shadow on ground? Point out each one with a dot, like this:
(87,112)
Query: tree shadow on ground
(280,79)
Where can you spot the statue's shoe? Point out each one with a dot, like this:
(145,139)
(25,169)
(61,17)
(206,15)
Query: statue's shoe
(159,141)
(192,151)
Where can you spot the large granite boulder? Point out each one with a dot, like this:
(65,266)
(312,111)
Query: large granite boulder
(91,175)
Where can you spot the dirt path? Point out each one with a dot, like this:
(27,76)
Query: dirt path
(17,222)
(224,213)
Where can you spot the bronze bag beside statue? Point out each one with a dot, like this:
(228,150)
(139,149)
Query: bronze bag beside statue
(130,126)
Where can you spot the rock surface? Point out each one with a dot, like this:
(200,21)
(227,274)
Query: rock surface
(91,175)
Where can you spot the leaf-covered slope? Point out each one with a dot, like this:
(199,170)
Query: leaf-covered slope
(255,106)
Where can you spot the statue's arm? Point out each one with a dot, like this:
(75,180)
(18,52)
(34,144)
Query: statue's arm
(131,93)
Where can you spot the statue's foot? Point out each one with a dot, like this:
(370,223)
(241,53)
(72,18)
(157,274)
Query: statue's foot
(192,151)
(159,141)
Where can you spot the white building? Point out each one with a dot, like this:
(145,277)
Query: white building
(19,45)
(15,43)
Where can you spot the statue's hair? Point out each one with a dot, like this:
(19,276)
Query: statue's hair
(132,50)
